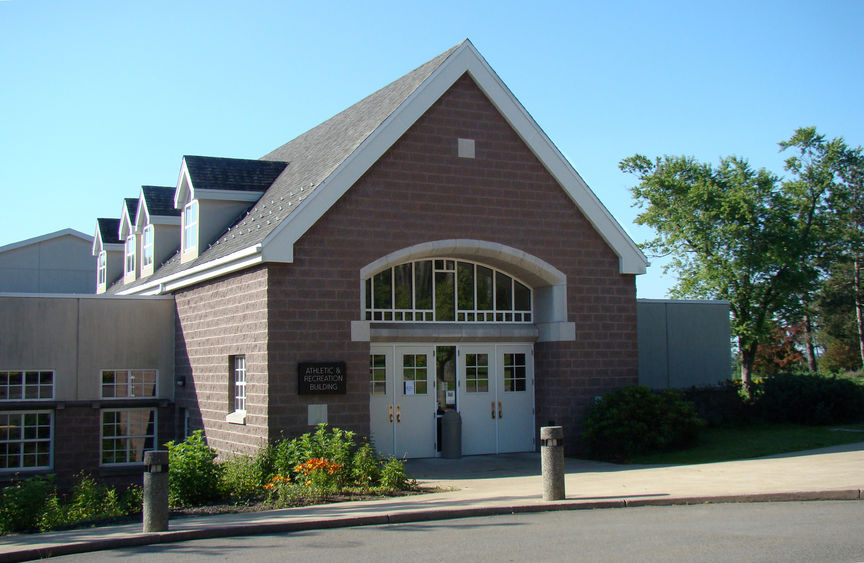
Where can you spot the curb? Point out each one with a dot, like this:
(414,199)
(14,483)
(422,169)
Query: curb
(138,540)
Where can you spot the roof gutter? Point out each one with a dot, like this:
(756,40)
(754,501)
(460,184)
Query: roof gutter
(219,267)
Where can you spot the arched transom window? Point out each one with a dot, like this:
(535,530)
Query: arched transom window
(447,290)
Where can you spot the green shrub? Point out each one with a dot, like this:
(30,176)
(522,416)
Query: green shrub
(635,420)
(808,399)
(22,504)
(337,446)
(722,404)
(242,479)
(365,467)
(284,493)
(393,476)
(193,474)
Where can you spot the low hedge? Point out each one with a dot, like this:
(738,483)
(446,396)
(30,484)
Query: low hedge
(635,420)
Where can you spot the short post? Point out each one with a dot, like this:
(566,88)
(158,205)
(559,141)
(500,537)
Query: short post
(155,491)
(552,459)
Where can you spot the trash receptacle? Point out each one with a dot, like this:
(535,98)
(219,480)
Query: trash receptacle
(451,435)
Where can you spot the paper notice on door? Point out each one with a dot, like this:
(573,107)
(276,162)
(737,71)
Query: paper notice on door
(450,397)
(409,387)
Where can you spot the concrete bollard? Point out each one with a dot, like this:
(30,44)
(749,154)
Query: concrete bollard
(156,491)
(552,460)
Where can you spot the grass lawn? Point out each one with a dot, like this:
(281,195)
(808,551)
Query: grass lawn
(755,440)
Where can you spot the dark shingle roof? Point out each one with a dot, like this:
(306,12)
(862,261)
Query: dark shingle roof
(109,230)
(310,159)
(131,207)
(238,174)
(160,201)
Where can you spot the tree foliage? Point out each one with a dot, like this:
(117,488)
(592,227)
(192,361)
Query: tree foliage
(733,233)
(763,243)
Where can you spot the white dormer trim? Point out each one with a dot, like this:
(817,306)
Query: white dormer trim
(99,246)
(142,217)
(186,192)
(183,192)
(127,226)
(465,59)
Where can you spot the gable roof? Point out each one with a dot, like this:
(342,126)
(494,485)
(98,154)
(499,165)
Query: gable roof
(106,233)
(128,214)
(216,173)
(43,238)
(327,160)
(159,201)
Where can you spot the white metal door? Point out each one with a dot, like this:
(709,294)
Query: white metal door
(415,422)
(515,385)
(477,402)
(381,405)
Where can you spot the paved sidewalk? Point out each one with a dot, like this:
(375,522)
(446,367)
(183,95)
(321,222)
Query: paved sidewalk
(487,485)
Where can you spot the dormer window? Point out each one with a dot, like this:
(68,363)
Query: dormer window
(147,247)
(103,268)
(130,254)
(190,226)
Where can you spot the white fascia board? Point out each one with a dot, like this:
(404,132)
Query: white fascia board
(227,195)
(49,236)
(126,224)
(164,220)
(370,150)
(465,59)
(182,193)
(142,216)
(631,258)
(209,270)
(97,242)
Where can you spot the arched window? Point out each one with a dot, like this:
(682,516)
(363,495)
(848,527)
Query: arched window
(447,290)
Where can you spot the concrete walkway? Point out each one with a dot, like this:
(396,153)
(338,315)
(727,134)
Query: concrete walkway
(487,485)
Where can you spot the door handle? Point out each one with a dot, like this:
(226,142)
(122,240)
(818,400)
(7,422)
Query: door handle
(391,414)
(398,414)
(493,409)
(500,410)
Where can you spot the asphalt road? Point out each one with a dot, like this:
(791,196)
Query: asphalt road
(793,531)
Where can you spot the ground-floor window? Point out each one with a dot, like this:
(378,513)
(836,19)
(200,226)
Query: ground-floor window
(25,439)
(127,434)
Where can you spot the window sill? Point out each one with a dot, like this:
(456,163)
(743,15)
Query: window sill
(236,417)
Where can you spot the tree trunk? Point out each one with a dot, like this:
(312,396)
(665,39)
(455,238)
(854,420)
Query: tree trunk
(859,307)
(747,355)
(809,348)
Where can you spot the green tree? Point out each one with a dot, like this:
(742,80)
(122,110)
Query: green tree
(815,165)
(733,233)
(847,201)
(838,334)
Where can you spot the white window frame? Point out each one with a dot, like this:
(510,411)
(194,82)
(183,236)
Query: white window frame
(102,268)
(19,391)
(190,226)
(22,440)
(129,255)
(131,375)
(128,438)
(448,265)
(147,246)
(239,382)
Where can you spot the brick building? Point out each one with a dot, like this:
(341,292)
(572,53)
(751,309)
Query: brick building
(427,249)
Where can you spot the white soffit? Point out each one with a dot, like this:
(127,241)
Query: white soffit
(464,59)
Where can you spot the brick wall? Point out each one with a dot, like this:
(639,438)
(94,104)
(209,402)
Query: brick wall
(420,191)
(214,321)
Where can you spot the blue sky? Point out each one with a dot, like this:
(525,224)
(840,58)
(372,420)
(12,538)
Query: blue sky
(100,97)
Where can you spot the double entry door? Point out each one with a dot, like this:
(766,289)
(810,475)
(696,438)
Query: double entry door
(490,385)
